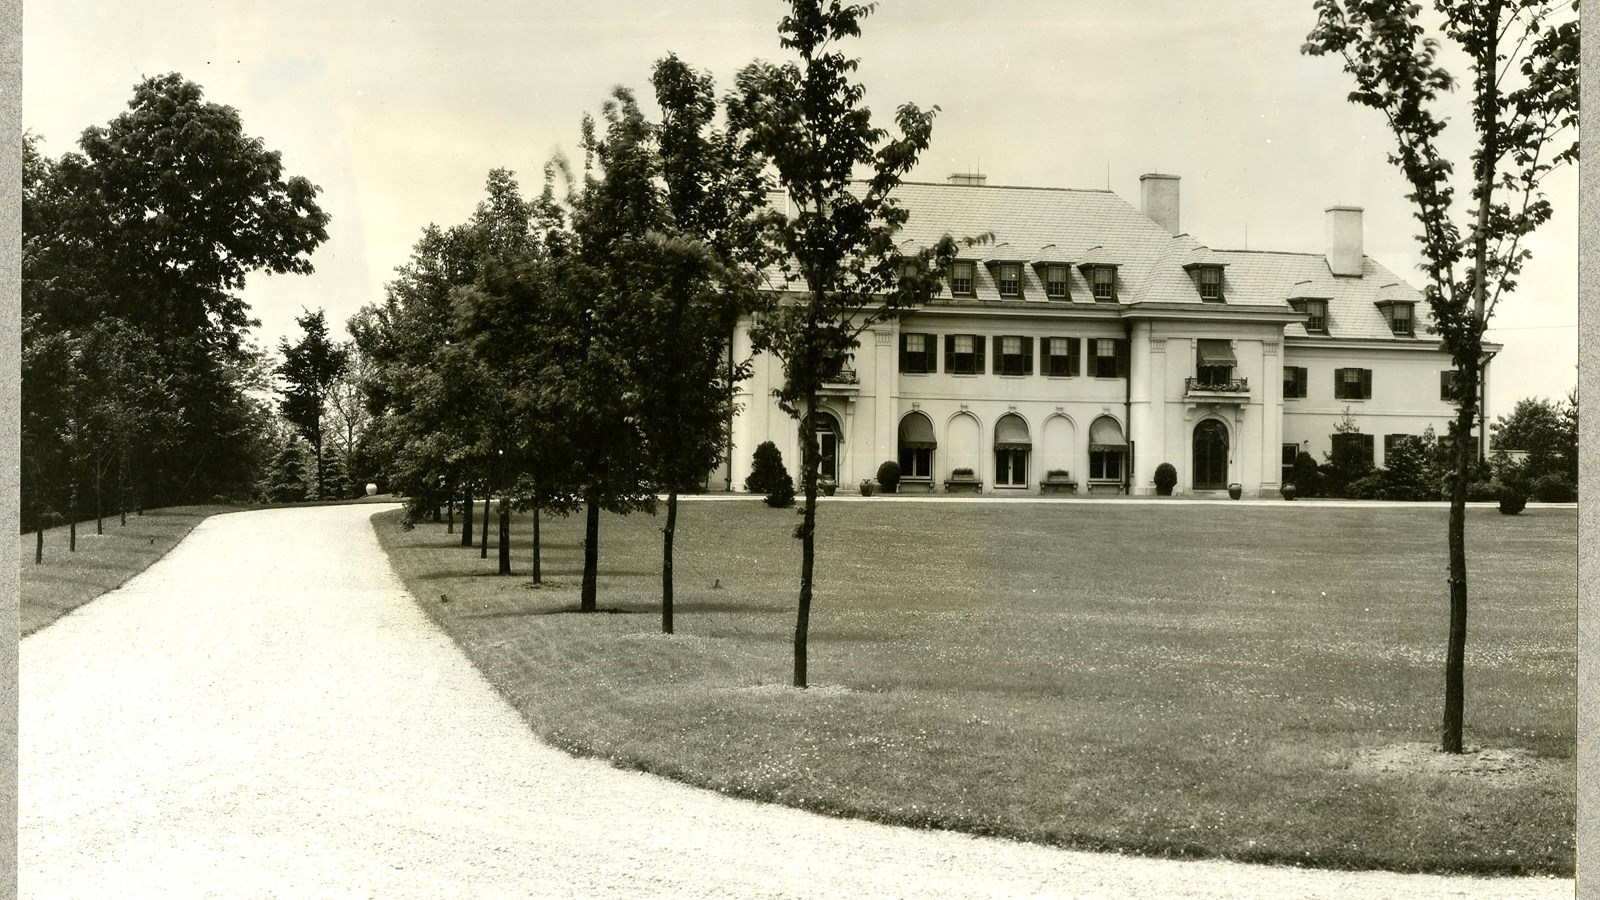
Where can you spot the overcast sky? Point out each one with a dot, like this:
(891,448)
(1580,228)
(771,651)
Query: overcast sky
(399,108)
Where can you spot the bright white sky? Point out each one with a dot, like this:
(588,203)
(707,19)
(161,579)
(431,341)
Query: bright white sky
(399,108)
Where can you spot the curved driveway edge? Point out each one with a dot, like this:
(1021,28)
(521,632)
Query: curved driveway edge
(266,713)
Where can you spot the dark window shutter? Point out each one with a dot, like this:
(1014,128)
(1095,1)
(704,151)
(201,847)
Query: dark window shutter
(1075,357)
(903,337)
(999,366)
(978,344)
(1300,381)
(1447,384)
(1124,361)
(931,348)
(1338,385)
(1366,384)
(1366,449)
(1027,356)
(949,353)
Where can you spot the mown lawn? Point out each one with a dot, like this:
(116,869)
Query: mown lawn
(66,580)
(1191,680)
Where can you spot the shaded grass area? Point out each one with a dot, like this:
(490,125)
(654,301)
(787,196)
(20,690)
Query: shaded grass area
(1169,680)
(66,580)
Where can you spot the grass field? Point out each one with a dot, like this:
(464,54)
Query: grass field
(1194,680)
(67,580)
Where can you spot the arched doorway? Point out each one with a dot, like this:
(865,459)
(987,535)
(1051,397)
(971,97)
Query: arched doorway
(1210,456)
(1011,447)
(828,441)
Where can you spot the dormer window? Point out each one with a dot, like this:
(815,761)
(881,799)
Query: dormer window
(1010,279)
(1398,314)
(961,274)
(1055,282)
(1315,311)
(1209,281)
(1102,278)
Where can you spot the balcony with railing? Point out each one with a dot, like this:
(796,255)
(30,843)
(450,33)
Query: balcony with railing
(841,382)
(1226,390)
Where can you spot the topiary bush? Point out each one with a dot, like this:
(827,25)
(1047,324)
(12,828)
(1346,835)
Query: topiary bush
(1166,479)
(1512,499)
(768,476)
(889,476)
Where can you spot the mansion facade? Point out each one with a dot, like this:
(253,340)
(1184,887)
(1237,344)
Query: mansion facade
(1090,341)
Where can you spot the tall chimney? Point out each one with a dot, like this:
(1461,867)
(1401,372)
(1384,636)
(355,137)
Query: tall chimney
(1158,198)
(974,179)
(1344,240)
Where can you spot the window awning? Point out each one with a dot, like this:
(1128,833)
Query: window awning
(1011,433)
(1106,434)
(1216,353)
(916,433)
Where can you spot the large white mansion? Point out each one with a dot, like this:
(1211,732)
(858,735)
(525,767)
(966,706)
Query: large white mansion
(1097,339)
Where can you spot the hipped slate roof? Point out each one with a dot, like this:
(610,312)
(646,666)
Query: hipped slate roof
(1038,224)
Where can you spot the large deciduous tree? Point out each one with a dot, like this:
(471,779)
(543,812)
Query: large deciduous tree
(1522,99)
(808,120)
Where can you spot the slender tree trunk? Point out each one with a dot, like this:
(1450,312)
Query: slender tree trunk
(505,535)
(450,508)
(99,500)
(38,534)
(591,554)
(483,542)
(667,534)
(1468,359)
(122,488)
(808,529)
(466,517)
(538,574)
(72,518)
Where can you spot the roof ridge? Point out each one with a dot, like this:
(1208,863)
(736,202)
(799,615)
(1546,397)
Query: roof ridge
(1009,187)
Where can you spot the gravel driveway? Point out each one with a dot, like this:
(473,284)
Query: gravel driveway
(264,713)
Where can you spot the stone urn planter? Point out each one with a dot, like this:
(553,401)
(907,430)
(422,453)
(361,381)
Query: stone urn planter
(1287,491)
(372,489)
(1235,491)
(867,487)
(828,486)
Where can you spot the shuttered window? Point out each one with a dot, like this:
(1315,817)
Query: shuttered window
(963,354)
(917,354)
(1062,356)
(1294,382)
(1013,355)
(1352,384)
(1110,358)
(1354,450)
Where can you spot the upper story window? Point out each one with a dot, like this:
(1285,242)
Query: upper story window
(1110,358)
(1447,386)
(1294,382)
(1209,281)
(1055,282)
(963,354)
(917,356)
(1010,278)
(961,278)
(1214,362)
(1316,312)
(1398,314)
(1061,356)
(1014,355)
(1352,384)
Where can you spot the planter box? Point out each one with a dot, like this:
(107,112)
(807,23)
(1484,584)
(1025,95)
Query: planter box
(1105,490)
(1058,487)
(963,486)
(916,487)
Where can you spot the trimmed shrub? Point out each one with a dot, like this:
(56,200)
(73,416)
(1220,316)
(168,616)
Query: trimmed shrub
(768,476)
(1367,487)
(1166,478)
(1479,492)
(1512,500)
(1307,476)
(889,476)
(1553,488)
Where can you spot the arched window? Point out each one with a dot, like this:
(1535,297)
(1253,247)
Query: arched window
(1011,447)
(916,446)
(1107,450)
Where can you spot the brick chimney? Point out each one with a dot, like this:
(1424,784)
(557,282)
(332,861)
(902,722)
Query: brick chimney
(1158,199)
(968,178)
(1344,240)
